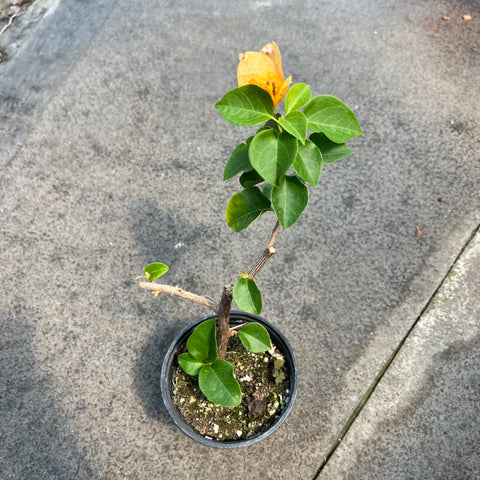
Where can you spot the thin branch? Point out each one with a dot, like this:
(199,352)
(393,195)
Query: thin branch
(274,235)
(233,329)
(222,309)
(156,287)
(267,253)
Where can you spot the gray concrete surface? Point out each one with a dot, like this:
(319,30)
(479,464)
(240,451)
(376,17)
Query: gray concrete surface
(423,419)
(103,177)
(49,36)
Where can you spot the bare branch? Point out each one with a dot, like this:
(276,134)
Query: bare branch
(267,253)
(274,235)
(156,287)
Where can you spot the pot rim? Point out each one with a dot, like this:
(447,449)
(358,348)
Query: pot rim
(166,383)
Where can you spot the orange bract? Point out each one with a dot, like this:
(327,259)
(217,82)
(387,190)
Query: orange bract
(264,69)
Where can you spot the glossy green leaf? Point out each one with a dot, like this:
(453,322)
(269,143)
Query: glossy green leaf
(331,151)
(289,200)
(245,207)
(255,338)
(295,123)
(202,343)
(250,179)
(247,296)
(308,163)
(297,97)
(155,270)
(267,191)
(246,106)
(219,385)
(238,162)
(271,124)
(271,154)
(190,365)
(334,118)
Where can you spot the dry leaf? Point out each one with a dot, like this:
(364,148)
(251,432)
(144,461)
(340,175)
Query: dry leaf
(420,233)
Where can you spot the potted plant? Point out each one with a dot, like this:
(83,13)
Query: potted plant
(230,378)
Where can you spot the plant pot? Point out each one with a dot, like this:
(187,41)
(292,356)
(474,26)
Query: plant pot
(170,364)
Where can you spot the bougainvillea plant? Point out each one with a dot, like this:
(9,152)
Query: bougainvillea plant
(275,167)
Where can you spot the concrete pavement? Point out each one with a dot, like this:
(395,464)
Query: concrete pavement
(117,162)
(422,420)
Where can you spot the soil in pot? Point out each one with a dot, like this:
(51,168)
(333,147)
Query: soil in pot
(264,382)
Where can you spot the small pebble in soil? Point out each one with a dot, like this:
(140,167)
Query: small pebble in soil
(262,396)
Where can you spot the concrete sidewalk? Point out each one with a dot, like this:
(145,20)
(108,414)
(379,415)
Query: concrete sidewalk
(423,419)
(112,157)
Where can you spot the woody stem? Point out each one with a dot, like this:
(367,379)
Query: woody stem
(157,287)
(267,253)
(223,328)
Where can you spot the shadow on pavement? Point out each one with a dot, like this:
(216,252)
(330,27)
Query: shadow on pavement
(29,411)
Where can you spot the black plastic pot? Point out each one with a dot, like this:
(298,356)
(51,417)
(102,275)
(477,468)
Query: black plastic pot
(170,363)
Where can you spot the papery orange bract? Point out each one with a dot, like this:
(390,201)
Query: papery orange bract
(264,69)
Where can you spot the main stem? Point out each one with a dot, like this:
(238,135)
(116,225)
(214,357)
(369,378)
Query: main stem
(223,314)
(223,325)
(223,308)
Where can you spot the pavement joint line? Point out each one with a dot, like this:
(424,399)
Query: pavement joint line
(390,359)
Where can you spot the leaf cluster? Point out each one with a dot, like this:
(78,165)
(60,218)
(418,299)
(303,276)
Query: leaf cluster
(275,167)
(276,164)
(215,377)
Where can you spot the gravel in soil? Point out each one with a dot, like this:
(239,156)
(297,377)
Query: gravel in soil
(264,382)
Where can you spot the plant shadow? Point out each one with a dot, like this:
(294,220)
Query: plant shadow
(156,233)
(148,367)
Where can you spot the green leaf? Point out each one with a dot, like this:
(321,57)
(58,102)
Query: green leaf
(246,106)
(270,124)
(267,191)
(289,200)
(297,97)
(331,116)
(331,151)
(219,385)
(247,296)
(190,365)
(250,179)
(255,338)
(155,270)
(308,163)
(202,343)
(295,123)
(245,207)
(271,154)
(238,162)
